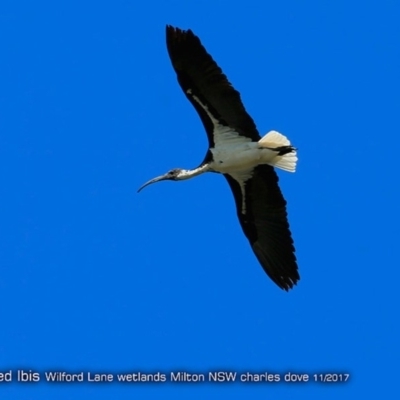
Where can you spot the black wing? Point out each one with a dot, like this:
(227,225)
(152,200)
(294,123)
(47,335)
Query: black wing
(264,222)
(205,85)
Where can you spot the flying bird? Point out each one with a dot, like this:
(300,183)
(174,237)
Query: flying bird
(237,151)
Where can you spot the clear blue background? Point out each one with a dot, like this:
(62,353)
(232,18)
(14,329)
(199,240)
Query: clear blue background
(95,277)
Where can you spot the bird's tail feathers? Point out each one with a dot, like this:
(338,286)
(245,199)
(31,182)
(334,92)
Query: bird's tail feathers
(286,162)
(286,158)
(274,139)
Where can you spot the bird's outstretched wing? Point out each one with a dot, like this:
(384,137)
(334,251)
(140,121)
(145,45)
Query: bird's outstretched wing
(207,88)
(261,209)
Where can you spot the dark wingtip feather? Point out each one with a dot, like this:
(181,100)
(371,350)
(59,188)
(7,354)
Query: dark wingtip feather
(177,34)
(280,266)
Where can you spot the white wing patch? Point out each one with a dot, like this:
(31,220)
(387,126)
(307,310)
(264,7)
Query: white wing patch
(222,134)
(241,178)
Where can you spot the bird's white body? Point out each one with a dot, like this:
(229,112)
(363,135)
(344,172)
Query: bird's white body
(238,153)
(240,156)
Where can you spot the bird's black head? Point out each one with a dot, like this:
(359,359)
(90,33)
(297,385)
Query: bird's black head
(172,175)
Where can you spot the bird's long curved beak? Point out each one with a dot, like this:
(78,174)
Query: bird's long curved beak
(154,180)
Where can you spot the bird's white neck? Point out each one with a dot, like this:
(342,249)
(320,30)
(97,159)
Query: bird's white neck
(190,173)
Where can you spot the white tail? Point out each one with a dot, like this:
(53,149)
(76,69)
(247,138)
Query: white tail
(275,139)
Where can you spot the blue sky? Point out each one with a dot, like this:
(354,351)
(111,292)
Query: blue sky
(97,278)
